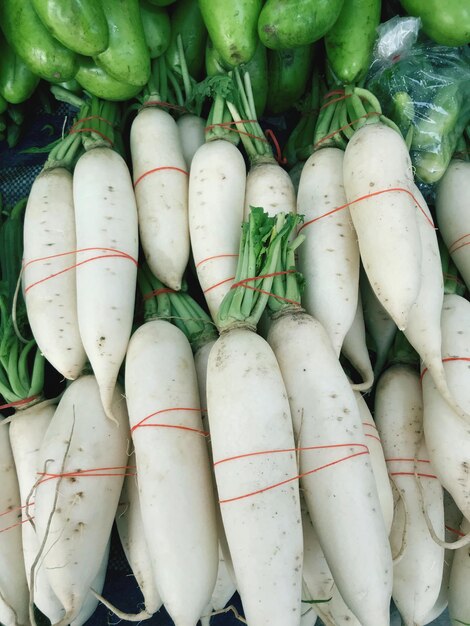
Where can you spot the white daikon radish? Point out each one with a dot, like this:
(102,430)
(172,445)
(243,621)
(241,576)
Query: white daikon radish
(27,432)
(453,214)
(84,461)
(106,226)
(378,181)
(447,434)
(14,596)
(172,458)
(253,442)
(355,349)
(417,575)
(49,260)
(216,195)
(329,256)
(459,598)
(192,136)
(161,191)
(130,527)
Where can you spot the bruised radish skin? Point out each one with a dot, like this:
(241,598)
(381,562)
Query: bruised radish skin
(162,196)
(377,459)
(27,432)
(377,159)
(268,185)
(325,413)
(329,256)
(14,596)
(453,214)
(160,375)
(106,217)
(216,195)
(249,413)
(355,350)
(417,574)
(49,229)
(76,512)
(459,598)
(192,135)
(447,434)
(130,527)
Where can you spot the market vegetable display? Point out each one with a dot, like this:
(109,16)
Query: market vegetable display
(234,312)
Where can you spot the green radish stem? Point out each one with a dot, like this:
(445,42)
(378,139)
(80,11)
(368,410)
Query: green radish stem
(260,247)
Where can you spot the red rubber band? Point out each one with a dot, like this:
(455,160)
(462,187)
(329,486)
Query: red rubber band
(98,471)
(338,130)
(91,117)
(446,360)
(342,96)
(422,475)
(222,282)
(11,405)
(453,249)
(278,156)
(237,130)
(116,254)
(297,477)
(455,531)
(23,521)
(158,292)
(91,130)
(16,508)
(159,169)
(370,195)
(216,256)
(143,421)
(334,92)
(242,283)
(166,105)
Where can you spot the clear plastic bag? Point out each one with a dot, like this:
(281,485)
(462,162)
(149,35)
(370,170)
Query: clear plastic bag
(425,89)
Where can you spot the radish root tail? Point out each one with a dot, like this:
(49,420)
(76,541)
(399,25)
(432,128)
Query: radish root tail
(448,545)
(130,617)
(404,543)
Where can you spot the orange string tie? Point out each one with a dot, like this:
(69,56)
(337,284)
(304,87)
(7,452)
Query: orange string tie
(243,283)
(447,360)
(363,450)
(143,422)
(110,253)
(459,243)
(367,197)
(98,471)
(11,405)
(404,460)
(74,128)
(160,169)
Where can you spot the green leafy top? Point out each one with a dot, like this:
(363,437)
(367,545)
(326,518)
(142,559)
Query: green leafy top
(177,307)
(263,238)
(21,362)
